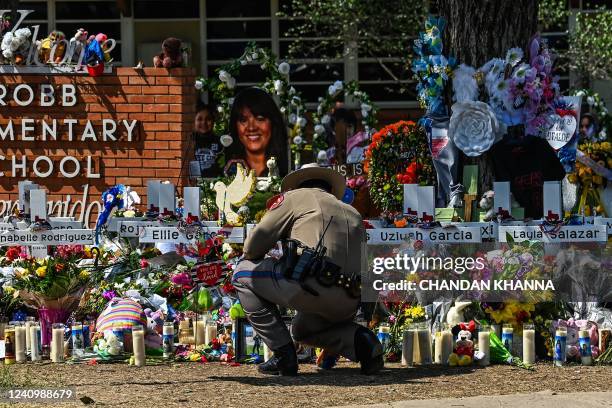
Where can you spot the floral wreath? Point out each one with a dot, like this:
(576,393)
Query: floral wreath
(326,104)
(398,154)
(222,87)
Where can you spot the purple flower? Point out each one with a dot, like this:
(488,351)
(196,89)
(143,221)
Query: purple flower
(109,294)
(182,279)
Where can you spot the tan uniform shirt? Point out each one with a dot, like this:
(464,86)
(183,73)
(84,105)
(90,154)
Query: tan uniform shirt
(303,215)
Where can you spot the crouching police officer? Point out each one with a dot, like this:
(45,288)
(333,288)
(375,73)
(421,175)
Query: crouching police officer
(318,274)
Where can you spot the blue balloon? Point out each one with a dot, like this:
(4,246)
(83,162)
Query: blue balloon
(349,196)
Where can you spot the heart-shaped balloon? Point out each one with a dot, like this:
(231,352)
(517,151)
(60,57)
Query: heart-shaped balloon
(562,130)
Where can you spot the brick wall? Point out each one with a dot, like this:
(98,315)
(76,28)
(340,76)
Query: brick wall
(162,101)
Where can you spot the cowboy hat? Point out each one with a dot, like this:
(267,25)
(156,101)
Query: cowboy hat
(312,171)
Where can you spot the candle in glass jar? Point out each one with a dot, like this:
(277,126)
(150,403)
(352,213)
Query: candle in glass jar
(384,336)
(584,342)
(20,342)
(211,331)
(199,330)
(443,346)
(423,338)
(560,352)
(78,341)
(35,345)
(528,344)
(508,337)
(605,339)
(57,343)
(28,323)
(168,339)
(9,344)
(138,345)
(484,344)
(408,347)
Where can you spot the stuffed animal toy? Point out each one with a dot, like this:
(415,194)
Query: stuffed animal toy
(78,44)
(47,44)
(486,203)
(171,55)
(464,346)
(15,45)
(572,343)
(101,39)
(455,313)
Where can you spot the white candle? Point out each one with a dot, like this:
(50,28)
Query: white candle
(35,345)
(424,342)
(138,344)
(211,332)
(268,354)
(57,343)
(443,346)
(199,330)
(584,342)
(28,324)
(528,344)
(408,348)
(484,345)
(20,343)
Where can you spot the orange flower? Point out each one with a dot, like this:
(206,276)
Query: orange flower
(401,223)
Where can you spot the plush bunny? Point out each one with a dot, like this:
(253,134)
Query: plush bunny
(78,44)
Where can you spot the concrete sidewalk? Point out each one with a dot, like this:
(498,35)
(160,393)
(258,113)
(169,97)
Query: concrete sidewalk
(544,399)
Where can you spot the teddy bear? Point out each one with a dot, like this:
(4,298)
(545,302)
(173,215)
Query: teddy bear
(15,45)
(464,346)
(486,203)
(171,55)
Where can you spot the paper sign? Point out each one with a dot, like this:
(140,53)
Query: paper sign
(50,237)
(501,199)
(604,221)
(567,233)
(134,229)
(172,235)
(24,197)
(426,203)
(553,204)
(410,199)
(439,235)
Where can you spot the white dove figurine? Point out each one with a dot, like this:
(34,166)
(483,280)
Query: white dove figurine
(234,194)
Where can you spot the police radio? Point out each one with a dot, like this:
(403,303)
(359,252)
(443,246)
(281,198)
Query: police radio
(310,258)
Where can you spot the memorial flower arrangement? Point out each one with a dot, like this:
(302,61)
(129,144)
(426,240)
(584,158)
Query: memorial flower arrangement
(511,312)
(400,316)
(431,69)
(593,170)
(55,281)
(397,153)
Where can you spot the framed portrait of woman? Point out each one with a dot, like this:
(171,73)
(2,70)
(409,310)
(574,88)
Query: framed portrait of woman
(259,132)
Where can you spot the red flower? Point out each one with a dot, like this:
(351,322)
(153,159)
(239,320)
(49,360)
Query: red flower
(228,287)
(13,253)
(143,263)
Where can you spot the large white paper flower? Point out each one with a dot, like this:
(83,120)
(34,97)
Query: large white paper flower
(473,127)
(284,68)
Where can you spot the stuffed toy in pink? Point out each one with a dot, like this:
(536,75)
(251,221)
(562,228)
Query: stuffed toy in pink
(573,329)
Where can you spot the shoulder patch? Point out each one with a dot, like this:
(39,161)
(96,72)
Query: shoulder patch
(275,201)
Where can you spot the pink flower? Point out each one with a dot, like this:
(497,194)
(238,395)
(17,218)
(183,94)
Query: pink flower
(143,263)
(182,279)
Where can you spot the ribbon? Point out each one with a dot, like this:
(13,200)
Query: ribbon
(597,168)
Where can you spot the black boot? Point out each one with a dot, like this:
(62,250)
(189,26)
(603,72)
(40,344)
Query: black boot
(284,362)
(369,351)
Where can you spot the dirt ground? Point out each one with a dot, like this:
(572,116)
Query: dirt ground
(217,385)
